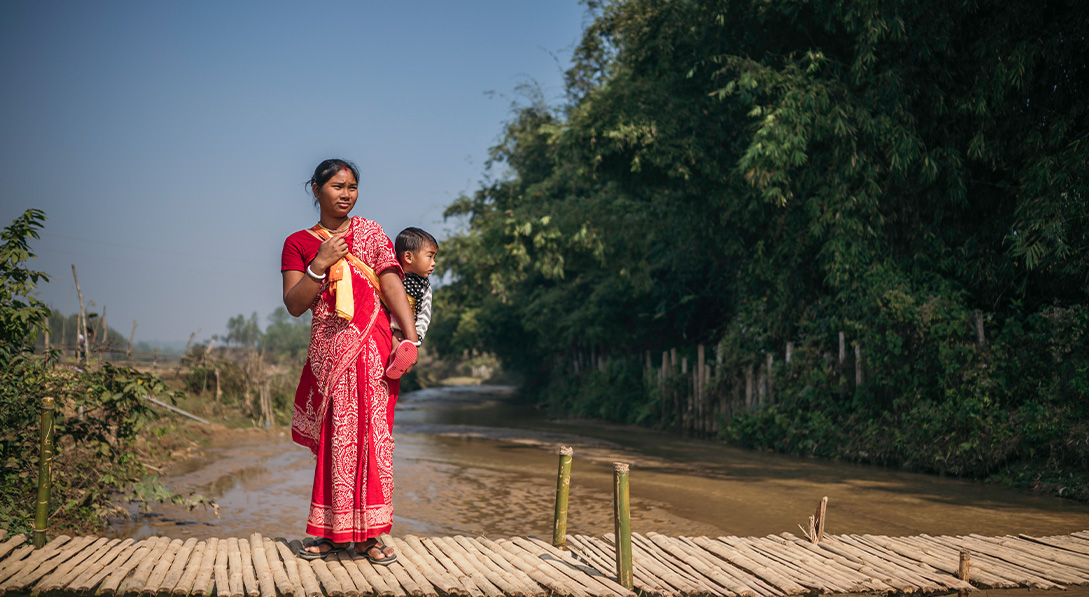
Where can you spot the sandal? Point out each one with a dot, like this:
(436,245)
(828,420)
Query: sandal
(385,560)
(402,358)
(334,549)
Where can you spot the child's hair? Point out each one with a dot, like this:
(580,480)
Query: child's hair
(413,240)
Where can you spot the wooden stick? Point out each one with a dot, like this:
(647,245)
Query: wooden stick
(818,529)
(563,488)
(965,566)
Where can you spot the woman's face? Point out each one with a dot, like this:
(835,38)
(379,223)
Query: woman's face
(337,196)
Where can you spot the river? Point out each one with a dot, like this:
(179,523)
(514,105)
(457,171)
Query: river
(472,460)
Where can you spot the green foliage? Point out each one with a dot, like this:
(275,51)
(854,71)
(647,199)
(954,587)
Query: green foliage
(21,313)
(747,173)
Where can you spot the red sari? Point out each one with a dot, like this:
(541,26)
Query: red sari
(344,402)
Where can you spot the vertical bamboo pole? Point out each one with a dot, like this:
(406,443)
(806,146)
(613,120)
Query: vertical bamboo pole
(789,352)
(64,334)
(701,365)
(818,521)
(749,382)
(563,489)
(104,329)
(45,342)
(965,567)
(842,348)
(980,338)
(155,357)
(81,329)
(45,470)
(673,359)
(622,524)
(132,335)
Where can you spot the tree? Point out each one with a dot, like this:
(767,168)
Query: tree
(22,314)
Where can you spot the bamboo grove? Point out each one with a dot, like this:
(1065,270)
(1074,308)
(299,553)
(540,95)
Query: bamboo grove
(747,173)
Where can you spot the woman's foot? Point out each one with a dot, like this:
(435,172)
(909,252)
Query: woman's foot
(321,548)
(376,552)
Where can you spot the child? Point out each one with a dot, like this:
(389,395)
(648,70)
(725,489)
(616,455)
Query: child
(416,250)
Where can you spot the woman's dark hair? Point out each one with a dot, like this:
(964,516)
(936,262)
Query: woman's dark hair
(328,169)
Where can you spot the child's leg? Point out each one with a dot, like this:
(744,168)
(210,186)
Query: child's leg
(397,336)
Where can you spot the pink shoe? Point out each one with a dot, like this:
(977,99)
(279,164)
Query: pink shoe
(402,358)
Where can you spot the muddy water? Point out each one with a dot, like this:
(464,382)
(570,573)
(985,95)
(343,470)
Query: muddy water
(472,461)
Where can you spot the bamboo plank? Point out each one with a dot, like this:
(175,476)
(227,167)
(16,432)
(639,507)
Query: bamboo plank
(71,569)
(332,586)
(540,572)
(10,545)
(309,579)
(1027,561)
(990,576)
(597,555)
(188,574)
(221,570)
(113,581)
(496,561)
(279,572)
(757,568)
(838,579)
(788,552)
(738,580)
(771,566)
(164,565)
(419,580)
(850,556)
(937,558)
(291,566)
(570,565)
(701,565)
(645,552)
(12,565)
(234,568)
(399,571)
(499,577)
(173,574)
(358,580)
(432,569)
(1064,543)
(249,580)
(459,575)
(59,561)
(1047,557)
(48,557)
(889,564)
(104,566)
(709,551)
(340,574)
(371,576)
(139,577)
(265,582)
(983,560)
(202,584)
(466,565)
(914,568)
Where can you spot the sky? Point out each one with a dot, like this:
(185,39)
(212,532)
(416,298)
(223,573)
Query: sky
(169,142)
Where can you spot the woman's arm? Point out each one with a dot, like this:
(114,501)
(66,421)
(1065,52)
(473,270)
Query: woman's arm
(393,289)
(300,289)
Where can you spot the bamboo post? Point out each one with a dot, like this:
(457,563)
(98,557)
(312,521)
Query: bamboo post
(789,352)
(818,521)
(749,383)
(622,524)
(104,329)
(64,334)
(842,348)
(965,567)
(82,328)
(45,342)
(132,334)
(45,470)
(218,394)
(701,365)
(978,317)
(155,357)
(563,489)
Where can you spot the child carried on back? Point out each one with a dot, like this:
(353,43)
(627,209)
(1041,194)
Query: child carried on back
(416,250)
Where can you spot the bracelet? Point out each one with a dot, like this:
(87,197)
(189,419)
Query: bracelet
(314,276)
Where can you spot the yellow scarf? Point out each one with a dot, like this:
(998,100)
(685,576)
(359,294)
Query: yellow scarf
(340,278)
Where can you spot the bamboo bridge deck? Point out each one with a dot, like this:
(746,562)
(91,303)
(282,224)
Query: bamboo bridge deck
(526,567)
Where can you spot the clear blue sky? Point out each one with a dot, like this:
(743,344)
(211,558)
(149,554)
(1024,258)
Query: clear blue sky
(168,142)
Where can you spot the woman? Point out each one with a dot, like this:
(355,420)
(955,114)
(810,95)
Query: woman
(344,269)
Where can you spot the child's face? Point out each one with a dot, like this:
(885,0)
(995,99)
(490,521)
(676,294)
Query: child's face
(421,262)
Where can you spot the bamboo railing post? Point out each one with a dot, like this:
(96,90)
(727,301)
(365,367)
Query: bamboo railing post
(81,329)
(981,339)
(563,489)
(104,329)
(622,524)
(132,334)
(45,342)
(858,364)
(965,566)
(45,470)
(818,521)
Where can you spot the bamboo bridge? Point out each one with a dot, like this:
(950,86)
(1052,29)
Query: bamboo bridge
(663,566)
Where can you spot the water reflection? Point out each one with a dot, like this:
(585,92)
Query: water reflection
(471,461)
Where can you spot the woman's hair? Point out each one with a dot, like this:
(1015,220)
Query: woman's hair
(414,239)
(328,169)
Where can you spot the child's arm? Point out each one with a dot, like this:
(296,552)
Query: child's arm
(424,318)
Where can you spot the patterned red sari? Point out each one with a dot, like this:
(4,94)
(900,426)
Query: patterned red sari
(344,403)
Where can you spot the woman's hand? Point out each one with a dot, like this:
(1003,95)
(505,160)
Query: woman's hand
(332,250)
